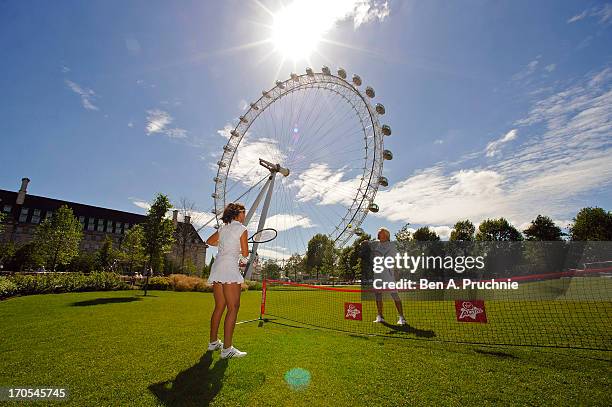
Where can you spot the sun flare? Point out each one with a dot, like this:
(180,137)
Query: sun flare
(297,30)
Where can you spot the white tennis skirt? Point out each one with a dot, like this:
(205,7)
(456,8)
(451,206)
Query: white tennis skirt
(225,270)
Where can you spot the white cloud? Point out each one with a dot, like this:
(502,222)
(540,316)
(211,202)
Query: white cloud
(130,124)
(325,186)
(494,147)
(87,95)
(603,14)
(551,67)
(65,69)
(528,70)
(439,141)
(158,121)
(285,221)
(245,164)
(550,173)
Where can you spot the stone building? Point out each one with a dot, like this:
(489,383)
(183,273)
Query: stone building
(25,212)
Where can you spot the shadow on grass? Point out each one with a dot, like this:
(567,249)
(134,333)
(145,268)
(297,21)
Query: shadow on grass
(197,385)
(495,353)
(407,329)
(101,301)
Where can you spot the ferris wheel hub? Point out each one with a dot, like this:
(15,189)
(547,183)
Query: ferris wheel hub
(273,168)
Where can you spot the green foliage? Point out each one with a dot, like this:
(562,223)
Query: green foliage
(349,261)
(66,282)
(543,228)
(424,234)
(24,258)
(3,218)
(158,232)
(85,262)
(253,285)
(271,270)
(7,251)
(498,230)
(57,239)
(320,256)
(592,224)
(7,287)
(132,251)
(403,237)
(106,256)
(295,267)
(463,231)
(159,283)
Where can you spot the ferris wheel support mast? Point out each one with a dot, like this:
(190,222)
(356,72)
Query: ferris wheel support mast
(267,190)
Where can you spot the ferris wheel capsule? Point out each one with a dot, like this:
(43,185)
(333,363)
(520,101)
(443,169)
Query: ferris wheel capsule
(370,92)
(380,109)
(227,148)
(326,70)
(254,106)
(359,231)
(309,71)
(373,207)
(357,80)
(280,84)
(342,73)
(386,130)
(294,77)
(383,181)
(266,94)
(221,164)
(387,155)
(234,133)
(244,119)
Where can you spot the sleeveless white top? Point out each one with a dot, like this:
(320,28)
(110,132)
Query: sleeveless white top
(225,268)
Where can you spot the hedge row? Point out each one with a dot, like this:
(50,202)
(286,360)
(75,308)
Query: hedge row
(59,283)
(180,282)
(19,284)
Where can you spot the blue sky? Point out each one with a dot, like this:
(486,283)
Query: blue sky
(497,108)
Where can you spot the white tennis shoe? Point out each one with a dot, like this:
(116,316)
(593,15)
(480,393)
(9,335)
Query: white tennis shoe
(216,345)
(379,319)
(232,352)
(401,321)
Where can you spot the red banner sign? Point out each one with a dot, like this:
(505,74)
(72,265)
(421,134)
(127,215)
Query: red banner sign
(352,310)
(470,311)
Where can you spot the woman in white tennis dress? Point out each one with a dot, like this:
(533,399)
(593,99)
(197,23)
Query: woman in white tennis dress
(225,277)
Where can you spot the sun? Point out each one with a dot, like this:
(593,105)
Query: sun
(297,29)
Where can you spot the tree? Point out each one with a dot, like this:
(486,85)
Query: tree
(158,232)
(320,254)
(423,234)
(543,228)
(463,231)
(106,256)
(2,220)
(57,239)
(498,230)
(7,251)
(296,265)
(271,270)
(592,224)
(349,261)
(132,248)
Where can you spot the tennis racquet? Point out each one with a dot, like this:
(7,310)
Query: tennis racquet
(263,236)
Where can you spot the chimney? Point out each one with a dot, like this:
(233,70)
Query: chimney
(175,216)
(22,191)
(187,219)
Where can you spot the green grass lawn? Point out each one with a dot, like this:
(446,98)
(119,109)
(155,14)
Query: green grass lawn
(119,348)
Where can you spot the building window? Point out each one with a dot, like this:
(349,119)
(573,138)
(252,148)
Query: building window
(126,226)
(118,228)
(23,216)
(100,225)
(82,221)
(109,226)
(7,208)
(90,224)
(36,216)
(48,215)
